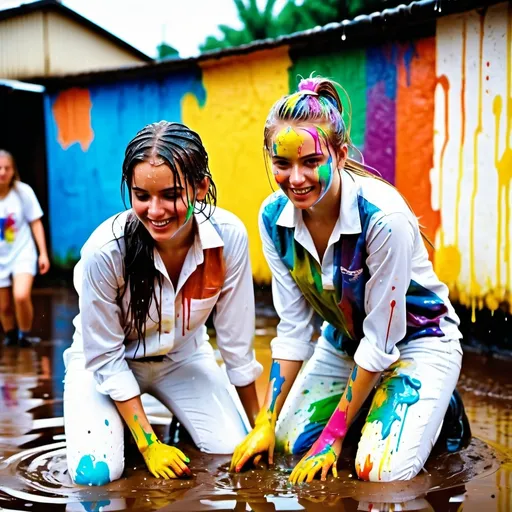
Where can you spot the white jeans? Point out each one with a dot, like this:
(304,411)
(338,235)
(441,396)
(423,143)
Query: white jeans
(405,417)
(196,390)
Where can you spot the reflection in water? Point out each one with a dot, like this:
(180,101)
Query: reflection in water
(33,472)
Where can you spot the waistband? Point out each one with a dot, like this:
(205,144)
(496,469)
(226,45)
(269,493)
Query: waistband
(150,359)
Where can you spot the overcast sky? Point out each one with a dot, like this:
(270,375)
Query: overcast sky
(183,24)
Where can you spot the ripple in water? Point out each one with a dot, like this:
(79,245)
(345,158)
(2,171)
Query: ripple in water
(39,475)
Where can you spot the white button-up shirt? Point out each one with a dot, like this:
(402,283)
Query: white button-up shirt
(216,274)
(374,287)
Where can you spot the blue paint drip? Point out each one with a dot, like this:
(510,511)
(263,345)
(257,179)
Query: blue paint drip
(275,375)
(95,506)
(409,55)
(106,423)
(350,381)
(89,473)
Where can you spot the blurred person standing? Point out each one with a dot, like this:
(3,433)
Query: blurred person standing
(21,230)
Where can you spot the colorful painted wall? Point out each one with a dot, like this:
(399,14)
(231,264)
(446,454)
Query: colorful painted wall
(433,115)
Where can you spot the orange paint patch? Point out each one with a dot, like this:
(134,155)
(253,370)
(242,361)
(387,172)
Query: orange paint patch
(415,133)
(206,281)
(72,114)
(364,474)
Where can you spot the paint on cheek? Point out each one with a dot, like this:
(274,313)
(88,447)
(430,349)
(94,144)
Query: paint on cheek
(190,211)
(325,173)
(90,473)
(277,383)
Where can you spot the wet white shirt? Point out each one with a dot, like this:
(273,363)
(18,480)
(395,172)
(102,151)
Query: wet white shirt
(216,274)
(18,209)
(374,287)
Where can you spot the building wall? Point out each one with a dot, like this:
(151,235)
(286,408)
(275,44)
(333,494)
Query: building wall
(433,115)
(45,44)
(74,48)
(21,46)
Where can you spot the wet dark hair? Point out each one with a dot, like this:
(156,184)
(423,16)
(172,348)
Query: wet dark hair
(16,175)
(181,149)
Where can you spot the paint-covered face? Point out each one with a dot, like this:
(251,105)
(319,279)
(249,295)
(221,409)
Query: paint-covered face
(6,172)
(162,205)
(302,163)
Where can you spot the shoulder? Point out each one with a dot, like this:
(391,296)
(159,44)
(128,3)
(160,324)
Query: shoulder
(24,190)
(231,231)
(107,239)
(378,199)
(226,221)
(272,208)
(384,196)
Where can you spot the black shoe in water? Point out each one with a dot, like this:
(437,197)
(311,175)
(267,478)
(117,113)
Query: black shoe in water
(11,338)
(456,432)
(28,341)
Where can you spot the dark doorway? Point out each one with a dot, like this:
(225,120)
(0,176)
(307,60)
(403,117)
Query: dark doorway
(22,133)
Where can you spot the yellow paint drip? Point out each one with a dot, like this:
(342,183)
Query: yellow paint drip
(288,143)
(448,264)
(239,94)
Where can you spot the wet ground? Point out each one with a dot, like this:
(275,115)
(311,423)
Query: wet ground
(33,473)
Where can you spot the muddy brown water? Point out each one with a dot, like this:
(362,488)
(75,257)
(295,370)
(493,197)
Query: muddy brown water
(33,473)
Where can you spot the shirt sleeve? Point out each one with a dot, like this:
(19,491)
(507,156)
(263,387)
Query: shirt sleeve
(234,312)
(102,327)
(390,243)
(296,317)
(31,207)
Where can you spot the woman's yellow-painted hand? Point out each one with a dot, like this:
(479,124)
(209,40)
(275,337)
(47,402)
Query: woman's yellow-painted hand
(316,459)
(165,461)
(261,439)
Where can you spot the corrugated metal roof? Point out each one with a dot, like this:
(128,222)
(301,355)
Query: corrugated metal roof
(413,19)
(54,5)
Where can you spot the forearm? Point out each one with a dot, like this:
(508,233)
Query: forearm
(38,233)
(133,414)
(359,386)
(249,400)
(282,376)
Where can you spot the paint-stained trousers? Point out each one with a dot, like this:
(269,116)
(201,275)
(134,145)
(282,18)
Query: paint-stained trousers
(405,417)
(196,390)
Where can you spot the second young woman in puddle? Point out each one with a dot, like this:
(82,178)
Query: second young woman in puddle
(345,248)
(148,279)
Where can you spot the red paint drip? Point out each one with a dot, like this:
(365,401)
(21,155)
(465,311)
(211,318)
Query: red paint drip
(364,474)
(393,288)
(392,304)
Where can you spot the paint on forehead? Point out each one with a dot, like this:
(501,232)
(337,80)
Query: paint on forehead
(315,135)
(288,143)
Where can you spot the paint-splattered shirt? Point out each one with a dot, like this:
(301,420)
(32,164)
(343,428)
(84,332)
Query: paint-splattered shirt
(18,209)
(216,274)
(374,288)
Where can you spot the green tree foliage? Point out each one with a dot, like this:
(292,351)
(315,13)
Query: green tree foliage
(164,51)
(256,25)
(265,24)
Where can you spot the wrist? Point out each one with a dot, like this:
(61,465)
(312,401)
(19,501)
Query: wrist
(265,417)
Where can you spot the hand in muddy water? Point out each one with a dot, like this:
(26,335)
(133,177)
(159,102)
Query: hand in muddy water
(317,458)
(260,440)
(164,461)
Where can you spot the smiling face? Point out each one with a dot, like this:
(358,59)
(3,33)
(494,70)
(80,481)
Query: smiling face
(302,164)
(160,202)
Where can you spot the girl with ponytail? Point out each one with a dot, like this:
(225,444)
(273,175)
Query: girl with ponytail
(345,248)
(148,279)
